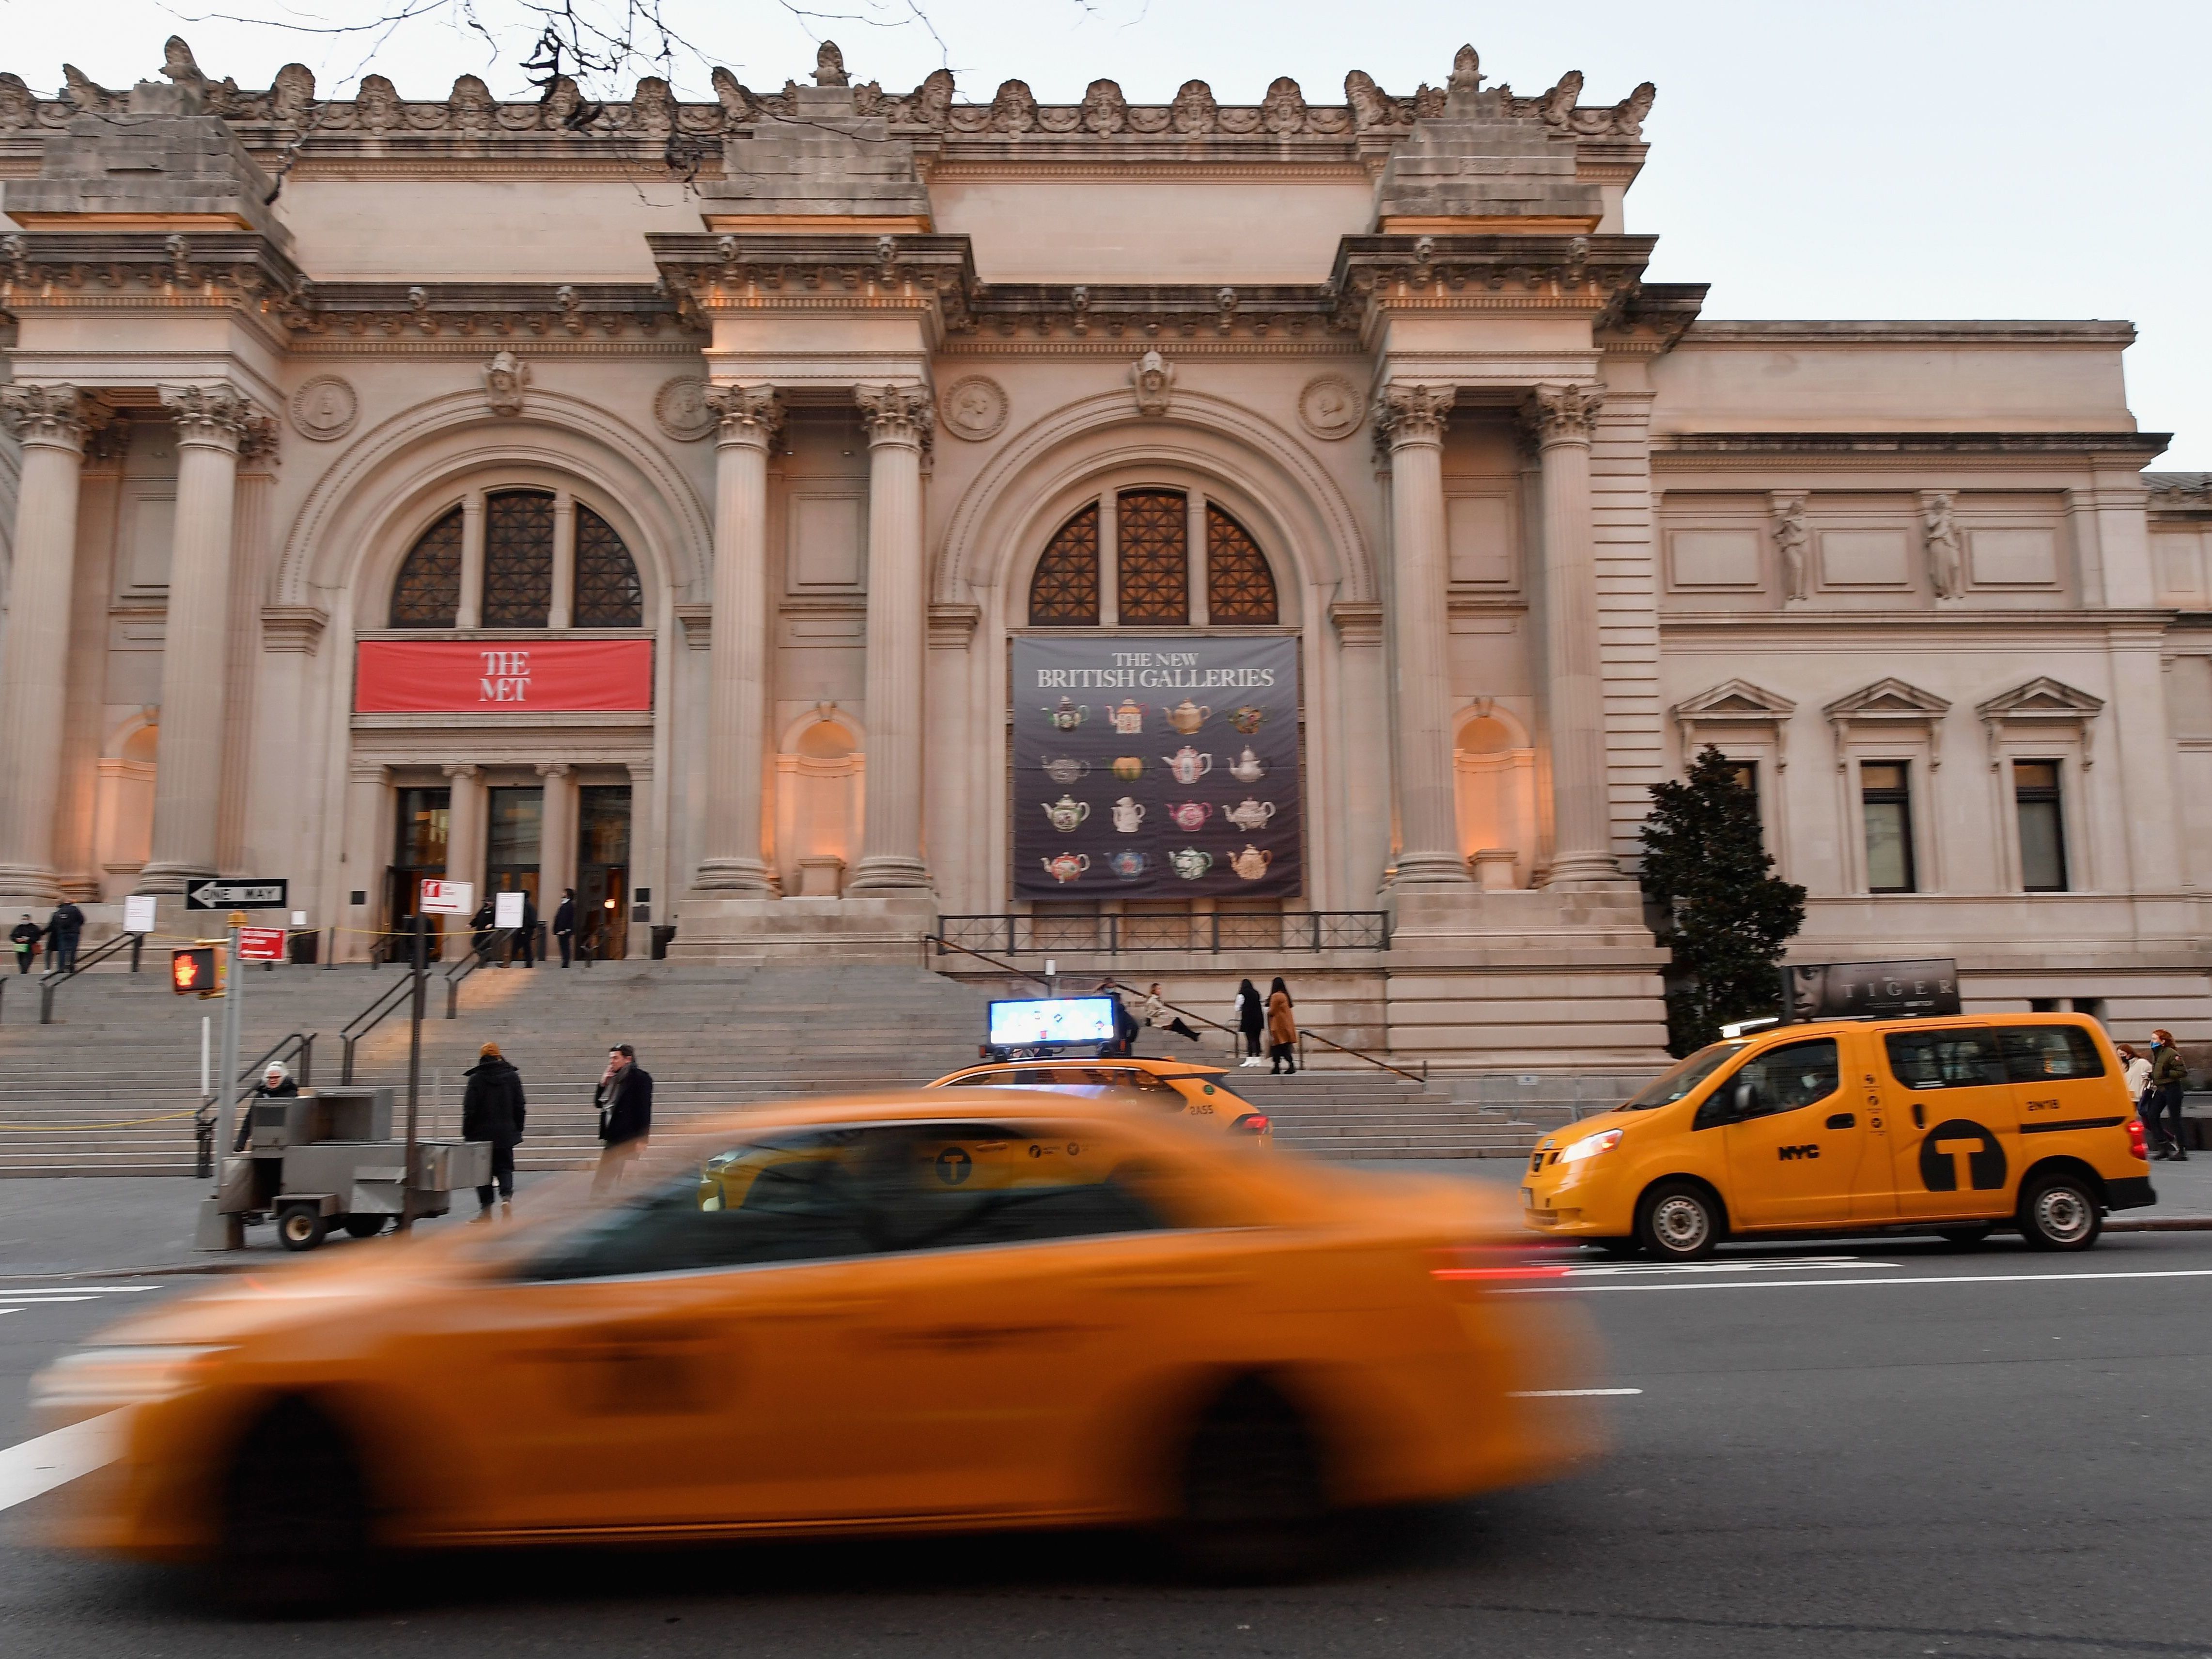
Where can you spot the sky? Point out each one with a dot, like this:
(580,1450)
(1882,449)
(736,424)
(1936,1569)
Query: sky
(1941,159)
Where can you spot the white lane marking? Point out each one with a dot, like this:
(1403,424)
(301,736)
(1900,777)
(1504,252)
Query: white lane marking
(1827,1284)
(17,1304)
(55,1460)
(1726,1266)
(1568,1393)
(11,1292)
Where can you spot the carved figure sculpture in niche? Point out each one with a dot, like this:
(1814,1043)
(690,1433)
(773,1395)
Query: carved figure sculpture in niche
(505,376)
(1793,539)
(1945,568)
(829,66)
(1154,377)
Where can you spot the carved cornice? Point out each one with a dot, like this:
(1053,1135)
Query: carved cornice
(754,270)
(897,413)
(293,628)
(59,416)
(2134,445)
(748,414)
(1562,414)
(1597,273)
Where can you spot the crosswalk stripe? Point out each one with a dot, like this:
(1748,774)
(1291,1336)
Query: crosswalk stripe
(55,1460)
(1831,1284)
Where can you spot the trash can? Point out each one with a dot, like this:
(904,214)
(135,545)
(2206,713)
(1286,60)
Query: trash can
(661,935)
(302,947)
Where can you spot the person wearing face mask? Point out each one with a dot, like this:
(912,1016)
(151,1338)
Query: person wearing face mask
(25,939)
(2169,1078)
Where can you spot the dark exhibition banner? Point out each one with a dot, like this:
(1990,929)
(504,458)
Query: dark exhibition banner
(1156,767)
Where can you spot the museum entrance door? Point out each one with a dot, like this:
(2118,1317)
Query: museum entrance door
(424,818)
(603,869)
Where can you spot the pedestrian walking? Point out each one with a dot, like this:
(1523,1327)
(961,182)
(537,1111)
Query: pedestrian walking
(1124,1022)
(481,930)
(1282,1030)
(527,937)
(564,923)
(625,1100)
(2135,1072)
(1251,1020)
(492,1111)
(25,938)
(1157,1015)
(2169,1080)
(63,929)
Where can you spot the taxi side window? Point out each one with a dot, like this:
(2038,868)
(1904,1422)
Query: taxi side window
(952,1185)
(2049,1053)
(1952,1058)
(1784,1079)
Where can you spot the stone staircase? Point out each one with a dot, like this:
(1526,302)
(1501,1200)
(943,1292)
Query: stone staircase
(110,1087)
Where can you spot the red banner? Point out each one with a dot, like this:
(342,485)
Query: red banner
(469,677)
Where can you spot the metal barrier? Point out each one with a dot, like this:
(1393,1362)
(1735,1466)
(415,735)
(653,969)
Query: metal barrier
(53,982)
(1033,932)
(366,1021)
(944,945)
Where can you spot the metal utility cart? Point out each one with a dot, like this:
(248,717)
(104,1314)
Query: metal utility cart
(327,1158)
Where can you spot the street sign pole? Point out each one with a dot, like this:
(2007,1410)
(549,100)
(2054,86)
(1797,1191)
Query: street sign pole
(234,994)
(414,1068)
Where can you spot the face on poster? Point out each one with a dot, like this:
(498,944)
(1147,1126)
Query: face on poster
(1157,765)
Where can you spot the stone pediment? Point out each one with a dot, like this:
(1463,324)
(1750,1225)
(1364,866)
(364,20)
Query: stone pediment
(1890,703)
(1735,703)
(2043,702)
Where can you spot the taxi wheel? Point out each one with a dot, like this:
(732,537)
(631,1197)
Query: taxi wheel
(294,1531)
(301,1226)
(1255,1506)
(2059,1213)
(1678,1222)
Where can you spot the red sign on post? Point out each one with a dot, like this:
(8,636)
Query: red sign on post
(474,677)
(261,944)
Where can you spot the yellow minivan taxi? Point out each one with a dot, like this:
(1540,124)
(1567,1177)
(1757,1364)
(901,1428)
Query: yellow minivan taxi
(1956,1127)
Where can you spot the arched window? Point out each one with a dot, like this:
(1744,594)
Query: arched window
(519,537)
(1153,583)
(428,591)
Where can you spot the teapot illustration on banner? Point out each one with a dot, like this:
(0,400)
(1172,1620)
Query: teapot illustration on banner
(1067,867)
(1246,768)
(1190,864)
(1248,814)
(1190,814)
(1128,816)
(1188,764)
(1251,863)
(1068,715)
(1067,813)
(1128,863)
(1186,716)
(1247,719)
(1128,718)
(1067,770)
(1128,768)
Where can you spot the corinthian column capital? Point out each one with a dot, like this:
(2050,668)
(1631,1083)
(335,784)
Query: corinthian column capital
(1562,414)
(58,417)
(749,415)
(218,416)
(1406,415)
(896,413)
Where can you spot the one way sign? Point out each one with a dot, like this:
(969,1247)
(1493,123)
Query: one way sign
(239,896)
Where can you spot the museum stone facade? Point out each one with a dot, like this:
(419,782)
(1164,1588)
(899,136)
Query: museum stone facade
(1188,539)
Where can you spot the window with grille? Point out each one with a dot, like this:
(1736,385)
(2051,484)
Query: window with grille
(1239,585)
(1153,573)
(518,578)
(1064,592)
(428,592)
(607,591)
(1152,546)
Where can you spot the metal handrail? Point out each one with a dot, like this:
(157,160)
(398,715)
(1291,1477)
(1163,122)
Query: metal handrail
(477,956)
(51,982)
(366,1021)
(944,944)
(1187,1013)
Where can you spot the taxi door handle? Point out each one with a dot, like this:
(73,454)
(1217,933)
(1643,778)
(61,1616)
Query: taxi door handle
(1843,1120)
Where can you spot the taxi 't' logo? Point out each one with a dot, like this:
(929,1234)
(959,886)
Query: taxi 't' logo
(954,1166)
(1958,1141)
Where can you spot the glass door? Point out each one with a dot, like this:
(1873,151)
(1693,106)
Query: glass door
(424,818)
(602,870)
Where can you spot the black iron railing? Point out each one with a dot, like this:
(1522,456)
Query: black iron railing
(1015,934)
(58,977)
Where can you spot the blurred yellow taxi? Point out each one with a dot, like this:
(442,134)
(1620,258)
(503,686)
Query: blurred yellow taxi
(1174,1087)
(945,1310)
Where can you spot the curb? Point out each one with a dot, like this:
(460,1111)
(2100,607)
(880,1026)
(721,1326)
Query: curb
(2162,1223)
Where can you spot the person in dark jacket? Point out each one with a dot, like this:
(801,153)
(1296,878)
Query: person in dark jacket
(25,938)
(63,929)
(564,923)
(1124,1022)
(527,936)
(1251,1019)
(1282,1029)
(2169,1080)
(492,1111)
(625,1098)
(481,929)
(276,1083)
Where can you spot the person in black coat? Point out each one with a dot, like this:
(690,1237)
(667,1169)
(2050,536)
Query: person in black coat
(492,1111)
(63,929)
(25,938)
(564,923)
(276,1083)
(625,1098)
(481,929)
(1251,1019)
(527,936)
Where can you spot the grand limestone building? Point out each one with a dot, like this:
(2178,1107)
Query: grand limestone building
(1190,540)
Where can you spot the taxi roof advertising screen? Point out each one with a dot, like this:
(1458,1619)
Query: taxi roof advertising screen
(1028,1022)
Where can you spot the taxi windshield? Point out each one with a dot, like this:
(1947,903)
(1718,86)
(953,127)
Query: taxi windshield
(1687,1074)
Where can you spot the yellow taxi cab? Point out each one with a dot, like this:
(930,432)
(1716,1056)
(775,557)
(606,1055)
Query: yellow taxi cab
(1954,1126)
(946,1310)
(1174,1086)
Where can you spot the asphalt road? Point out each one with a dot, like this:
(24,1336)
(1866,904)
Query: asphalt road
(1869,1448)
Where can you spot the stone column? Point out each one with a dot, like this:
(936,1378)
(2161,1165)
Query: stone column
(212,421)
(52,422)
(1560,418)
(556,843)
(898,418)
(464,824)
(1411,419)
(563,605)
(468,609)
(736,698)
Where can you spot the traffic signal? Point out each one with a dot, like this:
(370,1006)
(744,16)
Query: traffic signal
(192,970)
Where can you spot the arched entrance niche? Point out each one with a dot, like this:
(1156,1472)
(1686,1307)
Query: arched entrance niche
(1494,785)
(122,802)
(820,795)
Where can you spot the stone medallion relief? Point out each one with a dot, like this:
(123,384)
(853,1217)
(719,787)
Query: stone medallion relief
(1330,407)
(974,409)
(324,409)
(681,409)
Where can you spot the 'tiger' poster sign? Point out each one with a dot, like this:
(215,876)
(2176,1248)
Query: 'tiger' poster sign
(1157,765)
(468,677)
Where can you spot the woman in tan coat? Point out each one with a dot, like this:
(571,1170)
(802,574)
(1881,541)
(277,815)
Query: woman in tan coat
(1282,1030)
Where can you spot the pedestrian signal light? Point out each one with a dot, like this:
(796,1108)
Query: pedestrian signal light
(192,971)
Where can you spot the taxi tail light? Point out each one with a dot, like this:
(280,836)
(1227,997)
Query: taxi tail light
(1475,1265)
(1253,1123)
(2136,1146)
